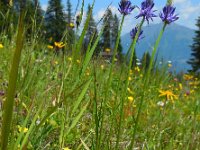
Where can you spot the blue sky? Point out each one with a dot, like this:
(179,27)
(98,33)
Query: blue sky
(188,11)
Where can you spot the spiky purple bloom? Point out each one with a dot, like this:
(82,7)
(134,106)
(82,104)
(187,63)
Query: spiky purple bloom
(125,7)
(134,32)
(146,10)
(168,15)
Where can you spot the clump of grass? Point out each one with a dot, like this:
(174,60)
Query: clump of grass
(76,101)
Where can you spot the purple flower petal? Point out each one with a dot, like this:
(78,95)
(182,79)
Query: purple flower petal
(167,15)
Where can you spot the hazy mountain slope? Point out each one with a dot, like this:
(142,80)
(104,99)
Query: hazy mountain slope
(174,45)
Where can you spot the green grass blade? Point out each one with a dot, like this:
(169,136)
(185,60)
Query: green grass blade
(90,53)
(33,124)
(77,118)
(86,25)
(81,96)
(9,103)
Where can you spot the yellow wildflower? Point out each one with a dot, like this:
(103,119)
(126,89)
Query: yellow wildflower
(168,94)
(169,65)
(137,69)
(187,77)
(130,72)
(134,106)
(71,25)
(130,98)
(78,61)
(67,148)
(20,129)
(130,91)
(54,62)
(180,86)
(107,50)
(49,46)
(129,78)
(59,44)
(102,67)
(87,73)
(69,58)
(1,45)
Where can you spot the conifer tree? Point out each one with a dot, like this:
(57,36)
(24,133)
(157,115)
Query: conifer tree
(55,23)
(114,33)
(38,14)
(195,60)
(69,12)
(70,32)
(91,31)
(5,15)
(106,36)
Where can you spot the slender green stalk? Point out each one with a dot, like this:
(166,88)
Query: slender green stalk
(110,79)
(132,48)
(9,103)
(146,86)
(154,51)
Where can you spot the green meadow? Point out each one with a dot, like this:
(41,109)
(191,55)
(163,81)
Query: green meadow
(54,98)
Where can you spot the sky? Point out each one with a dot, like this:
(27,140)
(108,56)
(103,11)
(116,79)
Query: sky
(187,10)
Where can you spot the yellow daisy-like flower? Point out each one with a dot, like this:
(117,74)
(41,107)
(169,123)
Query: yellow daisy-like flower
(59,44)
(107,50)
(49,46)
(130,98)
(1,45)
(20,129)
(168,94)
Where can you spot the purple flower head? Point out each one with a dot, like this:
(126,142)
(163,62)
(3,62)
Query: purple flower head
(134,32)
(168,15)
(125,7)
(146,10)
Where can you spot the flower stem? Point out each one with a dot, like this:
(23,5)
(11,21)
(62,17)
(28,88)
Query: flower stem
(132,48)
(146,82)
(154,52)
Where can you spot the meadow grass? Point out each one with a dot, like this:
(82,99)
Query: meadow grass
(78,101)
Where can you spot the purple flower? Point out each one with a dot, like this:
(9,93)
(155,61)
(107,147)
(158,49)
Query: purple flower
(125,7)
(168,15)
(146,10)
(134,32)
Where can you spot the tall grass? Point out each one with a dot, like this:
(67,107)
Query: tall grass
(57,102)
